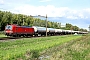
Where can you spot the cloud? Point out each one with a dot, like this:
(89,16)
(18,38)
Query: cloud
(50,10)
(1,1)
(44,0)
(53,11)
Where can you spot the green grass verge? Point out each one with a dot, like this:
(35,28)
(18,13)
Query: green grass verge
(30,48)
(2,35)
(73,50)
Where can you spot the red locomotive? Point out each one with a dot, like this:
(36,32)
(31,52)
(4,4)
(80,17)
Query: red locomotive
(15,30)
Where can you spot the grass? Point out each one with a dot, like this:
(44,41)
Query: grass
(74,50)
(30,48)
(2,35)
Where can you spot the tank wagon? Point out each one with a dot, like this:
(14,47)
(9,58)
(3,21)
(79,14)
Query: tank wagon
(15,30)
(39,31)
(58,31)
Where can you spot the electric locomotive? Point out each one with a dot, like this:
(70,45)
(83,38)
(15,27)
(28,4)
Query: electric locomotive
(15,30)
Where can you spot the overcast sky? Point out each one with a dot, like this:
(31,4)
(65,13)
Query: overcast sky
(76,12)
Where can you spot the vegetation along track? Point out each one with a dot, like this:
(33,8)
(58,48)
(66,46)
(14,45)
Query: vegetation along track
(30,49)
(78,49)
(3,37)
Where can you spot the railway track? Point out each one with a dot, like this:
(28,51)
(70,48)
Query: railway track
(9,38)
(14,38)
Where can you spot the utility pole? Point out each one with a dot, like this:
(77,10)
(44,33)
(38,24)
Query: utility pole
(46,25)
(89,28)
(45,22)
(71,30)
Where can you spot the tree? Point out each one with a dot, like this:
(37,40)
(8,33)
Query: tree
(75,28)
(68,26)
(1,15)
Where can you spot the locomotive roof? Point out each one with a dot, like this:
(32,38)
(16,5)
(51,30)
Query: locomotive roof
(25,26)
(22,26)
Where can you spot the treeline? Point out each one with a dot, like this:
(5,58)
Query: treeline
(20,19)
(75,28)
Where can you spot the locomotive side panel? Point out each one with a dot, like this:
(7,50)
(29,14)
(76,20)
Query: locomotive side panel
(24,31)
(28,30)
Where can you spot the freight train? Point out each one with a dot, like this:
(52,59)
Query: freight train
(25,31)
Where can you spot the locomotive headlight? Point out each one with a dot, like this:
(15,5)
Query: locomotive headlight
(11,31)
(8,31)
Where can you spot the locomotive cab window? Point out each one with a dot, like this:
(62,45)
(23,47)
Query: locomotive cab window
(9,27)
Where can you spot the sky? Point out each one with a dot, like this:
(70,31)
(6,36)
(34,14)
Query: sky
(75,12)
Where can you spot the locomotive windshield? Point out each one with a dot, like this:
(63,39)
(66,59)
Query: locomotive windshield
(9,27)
